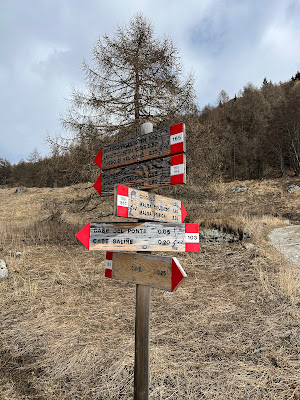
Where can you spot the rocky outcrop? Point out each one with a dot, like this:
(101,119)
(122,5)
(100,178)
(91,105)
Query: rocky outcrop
(213,235)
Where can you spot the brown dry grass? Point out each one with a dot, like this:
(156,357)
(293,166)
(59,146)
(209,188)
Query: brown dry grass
(231,331)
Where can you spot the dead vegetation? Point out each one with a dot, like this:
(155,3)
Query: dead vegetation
(231,331)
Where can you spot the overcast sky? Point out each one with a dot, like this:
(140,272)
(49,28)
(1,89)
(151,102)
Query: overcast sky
(225,43)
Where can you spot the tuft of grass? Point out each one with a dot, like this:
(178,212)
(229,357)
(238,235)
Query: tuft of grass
(225,223)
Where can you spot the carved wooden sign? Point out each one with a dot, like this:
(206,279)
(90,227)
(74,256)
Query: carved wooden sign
(160,272)
(146,175)
(133,203)
(134,236)
(145,147)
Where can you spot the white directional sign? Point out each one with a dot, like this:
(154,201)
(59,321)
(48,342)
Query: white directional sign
(134,203)
(134,236)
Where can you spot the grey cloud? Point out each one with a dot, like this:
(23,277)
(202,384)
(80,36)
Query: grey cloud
(43,43)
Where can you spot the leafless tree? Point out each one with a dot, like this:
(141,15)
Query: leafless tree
(134,77)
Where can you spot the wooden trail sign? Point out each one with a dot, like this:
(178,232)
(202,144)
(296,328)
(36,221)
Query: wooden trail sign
(147,175)
(134,236)
(148,146)
(160,272)
(135,203)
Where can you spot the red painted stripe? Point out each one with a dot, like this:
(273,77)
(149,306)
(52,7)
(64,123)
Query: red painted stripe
(183,212)
(84,235)
(122,211)
(177,179)
(177,148)
(177,275)
(192,247)
(123,190)
(178,159)
(191,228)
(108,273)
(109,255)
(98,159)
(176,128)
(97,185)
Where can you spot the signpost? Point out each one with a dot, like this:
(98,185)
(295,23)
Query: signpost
(135,236)
(135,203)
(159,272)
(146,175)
(158,144)
(152,160)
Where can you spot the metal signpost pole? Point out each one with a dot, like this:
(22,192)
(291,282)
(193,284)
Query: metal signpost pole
(142,327)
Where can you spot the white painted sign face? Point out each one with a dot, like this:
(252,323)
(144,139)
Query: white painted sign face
(134,203)
(148,236)
(177,138)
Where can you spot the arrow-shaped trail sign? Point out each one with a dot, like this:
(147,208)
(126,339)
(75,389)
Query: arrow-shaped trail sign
(146,236)
(144,147)
(135,203)
(160,272)
(146,175)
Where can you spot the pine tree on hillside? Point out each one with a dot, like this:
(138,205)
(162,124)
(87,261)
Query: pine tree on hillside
(296,77)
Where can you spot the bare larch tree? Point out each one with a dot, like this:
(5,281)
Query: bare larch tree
(134,77)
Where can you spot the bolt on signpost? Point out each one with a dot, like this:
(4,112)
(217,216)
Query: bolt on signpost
(153,159)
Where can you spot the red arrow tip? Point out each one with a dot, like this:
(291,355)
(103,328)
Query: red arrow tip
(84,236)
(98,159)
(97,185)
(178,273)
(183,212)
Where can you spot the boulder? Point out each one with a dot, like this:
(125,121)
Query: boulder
(213,235)
(247,234)
(3,269)
(20,190)
(240,188)
(293,188)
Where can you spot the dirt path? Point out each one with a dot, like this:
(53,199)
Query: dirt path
(287,241)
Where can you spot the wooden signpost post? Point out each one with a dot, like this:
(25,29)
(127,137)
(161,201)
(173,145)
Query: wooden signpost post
(135,203)
(154,159)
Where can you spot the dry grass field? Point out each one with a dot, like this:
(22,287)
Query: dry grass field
(231,330)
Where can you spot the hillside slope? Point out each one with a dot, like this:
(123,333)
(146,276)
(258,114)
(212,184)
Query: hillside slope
(231,330)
